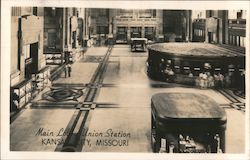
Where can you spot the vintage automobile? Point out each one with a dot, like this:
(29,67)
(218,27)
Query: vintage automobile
(187,123)
(138,43)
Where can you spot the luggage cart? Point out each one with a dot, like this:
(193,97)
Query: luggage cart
(187,123)
(138,43)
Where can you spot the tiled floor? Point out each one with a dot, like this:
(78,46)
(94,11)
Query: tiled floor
(81,73)
(122,104)
(25,134)
(120,119)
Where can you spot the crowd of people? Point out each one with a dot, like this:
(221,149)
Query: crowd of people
(207,80)
(208,76)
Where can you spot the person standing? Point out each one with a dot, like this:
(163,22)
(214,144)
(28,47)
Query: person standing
(66,55)
(66,70)
(216,80)
(171,75)
(227,80)
(221,80)
(210,79)
(69,69)
(201,80)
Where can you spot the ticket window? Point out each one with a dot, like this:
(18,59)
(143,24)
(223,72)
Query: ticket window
(186,67)
(217,69)
(177,65)
(196,68)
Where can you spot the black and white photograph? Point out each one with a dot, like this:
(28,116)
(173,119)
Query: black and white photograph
(93,78)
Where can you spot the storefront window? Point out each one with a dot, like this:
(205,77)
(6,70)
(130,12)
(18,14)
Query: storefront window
(149,33)
(121,33)
(135,32)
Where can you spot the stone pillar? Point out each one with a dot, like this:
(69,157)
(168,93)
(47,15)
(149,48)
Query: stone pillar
(110,28)
(190,26)
(68,27)
(143,31)
(187,25)
(114,31)
(64,29)
(206,32)
(220,31)
(128,33)
(86,25)
(135,13)
(225,26)
(111,21)
(159,27)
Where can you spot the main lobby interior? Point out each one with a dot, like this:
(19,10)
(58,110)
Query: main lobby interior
(82,79)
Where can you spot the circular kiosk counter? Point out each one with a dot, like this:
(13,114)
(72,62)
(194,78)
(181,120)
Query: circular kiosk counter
(187,123)
(186,58)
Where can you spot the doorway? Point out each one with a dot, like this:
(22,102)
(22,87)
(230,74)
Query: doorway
(210,37)
(31,60)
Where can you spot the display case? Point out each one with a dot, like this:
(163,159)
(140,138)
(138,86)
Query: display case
(41,79)
(178,120)
(194,58)
(21,94)
(55,58)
